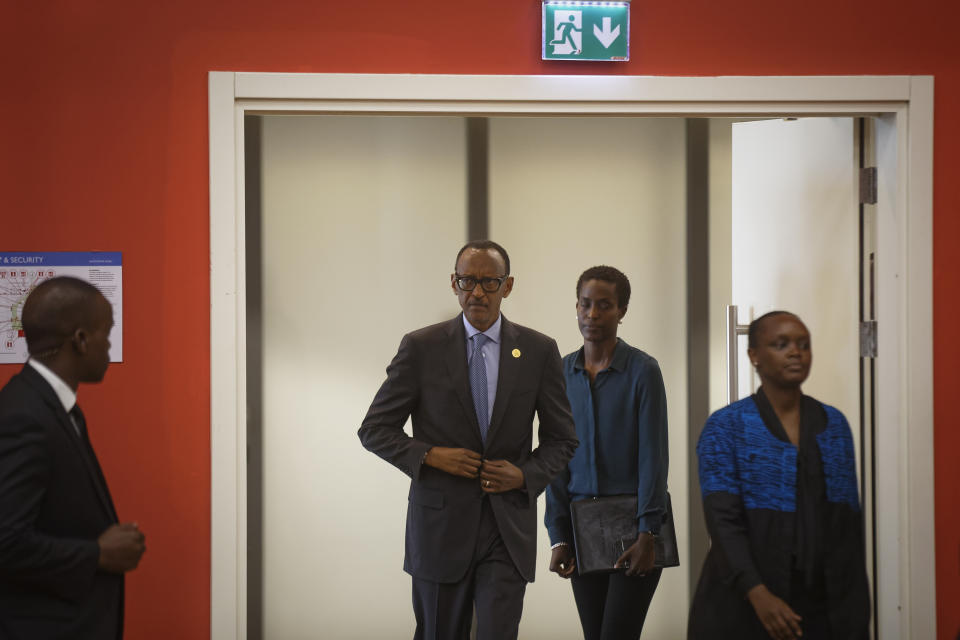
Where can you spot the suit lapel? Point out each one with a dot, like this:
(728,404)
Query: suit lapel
(507,376)
(456,358)
(82,449)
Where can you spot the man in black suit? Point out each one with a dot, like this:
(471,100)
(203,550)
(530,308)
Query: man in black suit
(472,385)
(62,552)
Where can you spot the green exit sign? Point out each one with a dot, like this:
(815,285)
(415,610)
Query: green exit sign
(586,30)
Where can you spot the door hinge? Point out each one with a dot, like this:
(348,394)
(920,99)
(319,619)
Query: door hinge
(868,339)
(868,185)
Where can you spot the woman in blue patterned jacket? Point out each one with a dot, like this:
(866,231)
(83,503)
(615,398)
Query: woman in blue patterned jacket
(779,484)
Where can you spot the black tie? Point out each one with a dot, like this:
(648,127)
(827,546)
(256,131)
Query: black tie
(79,422)
(76,416)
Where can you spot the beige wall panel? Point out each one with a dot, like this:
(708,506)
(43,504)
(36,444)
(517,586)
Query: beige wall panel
(720,181)
(362,219)
(567,194)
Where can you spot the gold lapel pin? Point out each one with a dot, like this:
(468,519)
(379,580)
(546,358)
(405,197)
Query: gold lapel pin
(516,353)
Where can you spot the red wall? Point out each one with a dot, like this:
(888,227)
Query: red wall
(105,147)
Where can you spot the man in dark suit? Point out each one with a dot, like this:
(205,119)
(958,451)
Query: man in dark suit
(472,386)
(62,552)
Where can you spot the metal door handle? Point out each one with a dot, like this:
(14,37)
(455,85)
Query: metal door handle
(733,330)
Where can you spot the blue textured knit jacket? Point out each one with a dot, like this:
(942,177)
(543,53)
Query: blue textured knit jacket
(748,478)
(739,455)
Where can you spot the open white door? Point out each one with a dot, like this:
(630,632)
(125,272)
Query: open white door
(795,244)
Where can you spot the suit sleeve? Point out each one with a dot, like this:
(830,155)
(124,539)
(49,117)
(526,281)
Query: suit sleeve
(652,454)
(382,429)
(61,566)
(557,434)
(723,505)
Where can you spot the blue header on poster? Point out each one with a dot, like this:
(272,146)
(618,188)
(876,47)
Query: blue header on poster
(60,259)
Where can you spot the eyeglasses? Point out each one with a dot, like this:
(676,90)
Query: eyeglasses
(469,283)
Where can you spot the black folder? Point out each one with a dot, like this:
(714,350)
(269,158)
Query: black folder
(604,527)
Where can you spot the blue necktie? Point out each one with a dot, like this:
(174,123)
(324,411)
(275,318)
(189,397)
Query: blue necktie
(478,383)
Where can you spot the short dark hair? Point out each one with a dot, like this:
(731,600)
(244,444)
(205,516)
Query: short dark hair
(754,330)
(608,274)
(54,310)
(484,245)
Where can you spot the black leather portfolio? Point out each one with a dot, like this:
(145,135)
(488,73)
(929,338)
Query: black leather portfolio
(604,527)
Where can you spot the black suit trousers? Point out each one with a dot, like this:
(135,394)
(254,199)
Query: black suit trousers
(444,611)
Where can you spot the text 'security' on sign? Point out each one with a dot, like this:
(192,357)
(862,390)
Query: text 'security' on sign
(586,30)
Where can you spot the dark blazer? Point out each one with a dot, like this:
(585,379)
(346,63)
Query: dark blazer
(54,504)
(428,380)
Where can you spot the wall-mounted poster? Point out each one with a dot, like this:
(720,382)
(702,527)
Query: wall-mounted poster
(21,271)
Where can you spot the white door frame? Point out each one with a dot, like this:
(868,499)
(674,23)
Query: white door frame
(905,536)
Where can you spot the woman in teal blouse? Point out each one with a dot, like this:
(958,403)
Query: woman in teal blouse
(620,410)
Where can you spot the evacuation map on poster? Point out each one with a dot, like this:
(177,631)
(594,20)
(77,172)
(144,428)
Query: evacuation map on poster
(21,271)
